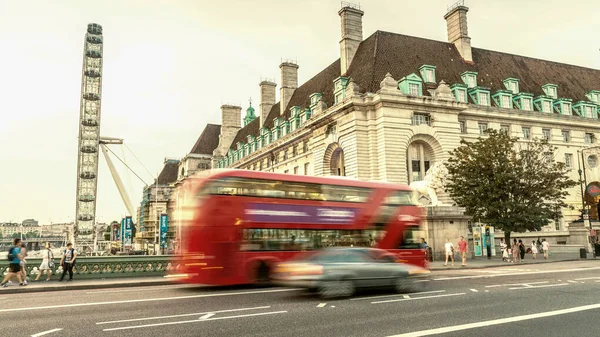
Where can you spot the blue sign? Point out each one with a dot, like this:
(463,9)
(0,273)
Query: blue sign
(127,233)
(164,226)
(122,231)
(279,213)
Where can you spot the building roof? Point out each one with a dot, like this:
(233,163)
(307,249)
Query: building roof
(401,55)
(208,140)
(168,174)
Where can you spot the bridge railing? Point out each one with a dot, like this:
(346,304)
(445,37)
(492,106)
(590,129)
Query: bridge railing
(99,267)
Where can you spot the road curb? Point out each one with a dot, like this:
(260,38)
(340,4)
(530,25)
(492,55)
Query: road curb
(458,267)
(75,286)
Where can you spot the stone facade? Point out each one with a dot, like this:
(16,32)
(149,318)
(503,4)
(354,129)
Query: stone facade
(393,106)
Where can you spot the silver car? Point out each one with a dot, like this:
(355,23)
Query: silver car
(338,272)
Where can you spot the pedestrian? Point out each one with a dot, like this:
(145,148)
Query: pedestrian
(522,250)
(47,263)
(534,249)
(68,261)
(14,267)
(23,263)
(462,248)
(545,248)
(515,251)
(449,252)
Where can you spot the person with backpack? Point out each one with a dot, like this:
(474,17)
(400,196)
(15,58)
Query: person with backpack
(68,261)
(47,263)
(24,262)
(14,268)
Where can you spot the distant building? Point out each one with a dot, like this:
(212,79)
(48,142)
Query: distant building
(8,229)
(156,200)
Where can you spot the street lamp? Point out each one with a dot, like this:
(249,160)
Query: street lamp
(580,171)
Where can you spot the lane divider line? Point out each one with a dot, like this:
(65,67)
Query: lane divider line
(474,290)
(542,286)
(395,295)
(46,332)
(320,305)
(520,274)
(193,321)
(482,324)
(417,298)
(147,300)
(181,315)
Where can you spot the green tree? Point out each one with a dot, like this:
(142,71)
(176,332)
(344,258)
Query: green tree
(515,187)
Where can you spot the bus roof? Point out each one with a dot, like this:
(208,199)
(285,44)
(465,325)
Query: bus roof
(333,180)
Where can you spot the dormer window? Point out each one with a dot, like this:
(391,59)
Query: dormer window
(427,73)
(550,90)
(586,109)
(524,101)
(480,95)
(594,96)
(543,103)
(503,99)
(314,98)
(469,78)
(339,88)
(460,92)
(563,106)
(411,85)
(512,84)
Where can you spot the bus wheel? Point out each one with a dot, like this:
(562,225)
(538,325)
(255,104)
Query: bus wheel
(262,275)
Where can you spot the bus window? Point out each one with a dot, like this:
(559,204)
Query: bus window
(263,188)
(411,238)
(301,239)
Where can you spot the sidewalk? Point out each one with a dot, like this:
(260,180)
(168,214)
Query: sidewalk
(83,284)
(496,261)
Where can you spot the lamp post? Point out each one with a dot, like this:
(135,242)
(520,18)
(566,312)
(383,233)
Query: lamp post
(584,210)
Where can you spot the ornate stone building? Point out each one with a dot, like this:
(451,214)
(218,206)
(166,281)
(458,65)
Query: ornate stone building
(394,105)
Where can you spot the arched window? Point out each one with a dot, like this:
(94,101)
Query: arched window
(419,159)
(337,165)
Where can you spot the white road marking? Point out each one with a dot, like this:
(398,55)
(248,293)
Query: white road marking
(405,296)
(193,321)
(147,300)
(333,306)
(571,281)
(321,305)
(132,290)
(182,315)
(203,317)
(508,274)
(487,291)
(417,298)
(497,321)
(474,290)
(394,295)
(45,332)
(542,286)
(587,278)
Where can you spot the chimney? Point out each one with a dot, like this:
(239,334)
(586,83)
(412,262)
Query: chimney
(456,21)
(351,34)
(231,123)
(289,83)
(267,100)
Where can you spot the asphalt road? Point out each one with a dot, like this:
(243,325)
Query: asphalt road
(559,299)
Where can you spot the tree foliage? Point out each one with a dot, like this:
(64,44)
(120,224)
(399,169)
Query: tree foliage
(512,186)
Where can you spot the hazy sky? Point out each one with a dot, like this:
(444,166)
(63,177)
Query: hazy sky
(170,64)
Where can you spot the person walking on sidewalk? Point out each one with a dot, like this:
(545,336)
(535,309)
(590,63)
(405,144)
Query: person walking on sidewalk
(24,262)
(449,247)
(14,268)
(534,249)
(462,248)
(522,250)
(68,261)
(545,248)
(515,251)
(47,263)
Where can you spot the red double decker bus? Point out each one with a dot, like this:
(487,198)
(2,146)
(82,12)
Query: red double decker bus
(241,223)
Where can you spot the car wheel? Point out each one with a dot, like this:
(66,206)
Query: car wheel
(341,288)
(403,285)
(263,275)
